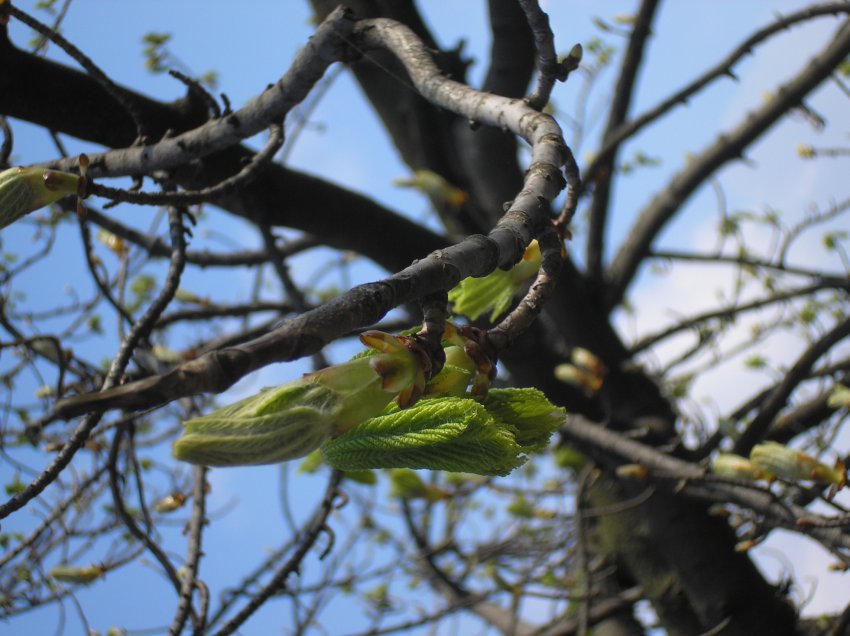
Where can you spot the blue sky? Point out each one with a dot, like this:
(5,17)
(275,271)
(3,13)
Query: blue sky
(251,44)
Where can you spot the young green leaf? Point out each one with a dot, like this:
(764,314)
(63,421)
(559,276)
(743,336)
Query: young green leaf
(23,190)
(494,292)
(275,425)
(292,420)
(453,434)
(527,410)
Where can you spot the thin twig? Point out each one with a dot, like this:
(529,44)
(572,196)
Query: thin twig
(242,178)
(193,555)
(315,527)
(83,60)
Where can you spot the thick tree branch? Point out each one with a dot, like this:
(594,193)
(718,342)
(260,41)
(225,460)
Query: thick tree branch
(325,47)
(423,133)
(29,85)
(277,196)
(366,304)
(489,155)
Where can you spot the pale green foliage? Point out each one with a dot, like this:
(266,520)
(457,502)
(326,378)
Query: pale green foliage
(23,190)
(435,187)
(775,459)
(346,410)
(735,467)
(407,484)
(292,420)
(452,434)
(159,58)
(494,292)
(71,574)
(155,51)
(839,397)
(276,425)
(533,417)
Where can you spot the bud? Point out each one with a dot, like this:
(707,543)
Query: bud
(276,425)
(23,190)
(372,380)
(625,18)
(292,420)
(633,471)
(736,467)
(746,545)
(406,484)
(805,151)
(572,60)
(112,242)
(795,465)
(170,503)
(70,574)
(839,397)
(579,377)
(587,360)
(474,351)
(495,292)
(436,187)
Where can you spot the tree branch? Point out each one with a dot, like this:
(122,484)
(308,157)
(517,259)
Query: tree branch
(623,94)
(727,147)
(722,69)
(792,378)
(614,449)
(365,305)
